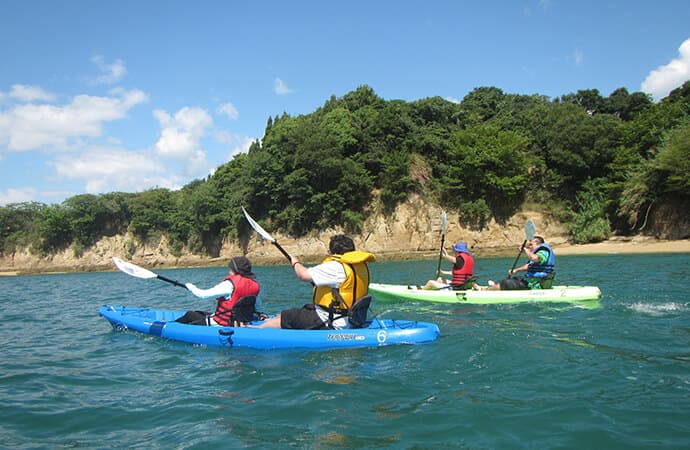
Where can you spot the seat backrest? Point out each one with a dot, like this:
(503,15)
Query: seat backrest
(547,281)
(467,285)
(358,313)
(244,309)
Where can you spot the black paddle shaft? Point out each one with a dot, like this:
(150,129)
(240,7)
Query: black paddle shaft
(176,283)
(282,250)
(529,234)
(522,248)
(440,256)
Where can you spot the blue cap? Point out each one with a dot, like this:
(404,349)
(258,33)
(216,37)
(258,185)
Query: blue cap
(461,247)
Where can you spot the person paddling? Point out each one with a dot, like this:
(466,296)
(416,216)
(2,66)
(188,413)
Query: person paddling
(540,266)
(462,270)
(240,282)
(340,281)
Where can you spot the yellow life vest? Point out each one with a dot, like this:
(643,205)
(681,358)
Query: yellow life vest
(355,286)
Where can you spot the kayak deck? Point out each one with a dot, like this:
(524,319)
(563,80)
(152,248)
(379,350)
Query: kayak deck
(574,294)
(161,322)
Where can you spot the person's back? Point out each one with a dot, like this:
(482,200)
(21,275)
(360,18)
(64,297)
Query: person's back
(339,281)
(461,272)
(240,282)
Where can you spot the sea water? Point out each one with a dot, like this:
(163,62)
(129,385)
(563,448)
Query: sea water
(501,376)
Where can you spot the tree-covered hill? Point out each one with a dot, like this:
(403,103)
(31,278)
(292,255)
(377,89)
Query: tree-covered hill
(600,164)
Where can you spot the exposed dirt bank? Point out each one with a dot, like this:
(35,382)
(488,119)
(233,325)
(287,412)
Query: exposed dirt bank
(413,231)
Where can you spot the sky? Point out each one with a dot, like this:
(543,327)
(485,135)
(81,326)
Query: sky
(124,96)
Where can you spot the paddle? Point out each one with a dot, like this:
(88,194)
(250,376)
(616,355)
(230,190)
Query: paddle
(264,234)
(529,234)
(140,272)
(443,240)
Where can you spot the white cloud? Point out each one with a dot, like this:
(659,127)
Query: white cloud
(241,147)
(229,110)
(578,56)
(26,93)
(106,170)
(110,72)
(181,137)
(661,81)
(17,195)
(34,126)
(30,194)
(280,88)
(238,144)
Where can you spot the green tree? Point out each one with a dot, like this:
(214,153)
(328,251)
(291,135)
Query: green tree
(621,104)
(482,104)
(93,216)
(664,179)
(151,212)
(55,228)
(587,99)
(588,221)
(485,163)
(18,225)
(673,162)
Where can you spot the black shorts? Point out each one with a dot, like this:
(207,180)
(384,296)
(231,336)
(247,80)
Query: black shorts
(513,284)
(304,318)
(195,318)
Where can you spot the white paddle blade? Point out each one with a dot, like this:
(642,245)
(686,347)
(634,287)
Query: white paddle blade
(443,223)
(529,230)
(264,234)
(133,270)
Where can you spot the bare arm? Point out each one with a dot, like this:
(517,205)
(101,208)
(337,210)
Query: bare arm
(448,257)
(300,269)
(518,269)
(531,256)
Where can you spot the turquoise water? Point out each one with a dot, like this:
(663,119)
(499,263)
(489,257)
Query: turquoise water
(505,376)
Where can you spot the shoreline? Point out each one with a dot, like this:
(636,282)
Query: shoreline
(616,246)
(629,246)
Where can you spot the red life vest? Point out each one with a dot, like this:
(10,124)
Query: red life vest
(465,273)
(243,286)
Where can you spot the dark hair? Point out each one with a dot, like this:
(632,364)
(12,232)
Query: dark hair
(538,238)
(340,244)
(241,266)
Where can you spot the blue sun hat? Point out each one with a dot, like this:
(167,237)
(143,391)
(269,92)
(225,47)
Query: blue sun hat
(461,247)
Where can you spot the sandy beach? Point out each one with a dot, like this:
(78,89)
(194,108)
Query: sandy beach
(635,245)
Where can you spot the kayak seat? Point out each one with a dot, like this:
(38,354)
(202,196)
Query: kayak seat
(244,309)
(547,281)
(467,285)
(358,313)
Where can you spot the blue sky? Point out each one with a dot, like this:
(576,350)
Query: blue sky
(103,96)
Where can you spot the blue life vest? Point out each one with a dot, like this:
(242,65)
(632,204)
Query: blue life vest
(536,270)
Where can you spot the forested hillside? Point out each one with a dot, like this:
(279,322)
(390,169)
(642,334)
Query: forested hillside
(602,165)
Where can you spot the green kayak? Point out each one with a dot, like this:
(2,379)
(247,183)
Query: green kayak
(583,295)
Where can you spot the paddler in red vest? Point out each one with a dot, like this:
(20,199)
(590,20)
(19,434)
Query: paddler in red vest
(461,272)
(239,283)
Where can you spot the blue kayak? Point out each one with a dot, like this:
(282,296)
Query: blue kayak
(161,322)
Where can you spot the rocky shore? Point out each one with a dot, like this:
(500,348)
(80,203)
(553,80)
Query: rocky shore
(413,231)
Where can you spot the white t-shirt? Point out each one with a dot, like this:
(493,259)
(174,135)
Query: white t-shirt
(332,274)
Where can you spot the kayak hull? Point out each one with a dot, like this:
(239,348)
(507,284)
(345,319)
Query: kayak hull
(161,322)
(574,294)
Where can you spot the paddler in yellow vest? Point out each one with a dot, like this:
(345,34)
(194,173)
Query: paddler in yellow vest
(339,281)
